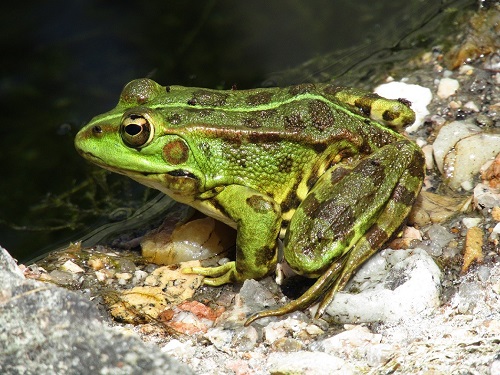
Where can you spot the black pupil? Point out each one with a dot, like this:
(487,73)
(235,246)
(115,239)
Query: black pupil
(133,129)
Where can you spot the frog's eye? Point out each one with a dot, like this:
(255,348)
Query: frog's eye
(136,131)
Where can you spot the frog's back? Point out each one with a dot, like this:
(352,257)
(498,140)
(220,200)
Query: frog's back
(307,113)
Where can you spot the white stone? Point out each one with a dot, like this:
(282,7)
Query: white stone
(460,150)
(448,136)
(471,106)
(447,87)
(69,266)
(470,222)
(380,297)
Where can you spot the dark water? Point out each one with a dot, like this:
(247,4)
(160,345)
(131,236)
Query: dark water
(66,61)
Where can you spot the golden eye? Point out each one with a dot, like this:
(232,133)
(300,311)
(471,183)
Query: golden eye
(136,131)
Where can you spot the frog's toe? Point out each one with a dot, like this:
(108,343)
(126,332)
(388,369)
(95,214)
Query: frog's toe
(215,276)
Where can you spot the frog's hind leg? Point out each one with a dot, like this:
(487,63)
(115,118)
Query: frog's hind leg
(389,221)
(350,213)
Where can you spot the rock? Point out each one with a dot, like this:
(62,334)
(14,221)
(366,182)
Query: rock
(50,330)
(447,87)
(393,285)
(460,149)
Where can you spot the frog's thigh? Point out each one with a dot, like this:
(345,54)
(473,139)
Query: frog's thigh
(344,205)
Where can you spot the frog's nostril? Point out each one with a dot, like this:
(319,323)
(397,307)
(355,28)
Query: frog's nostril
(97,129)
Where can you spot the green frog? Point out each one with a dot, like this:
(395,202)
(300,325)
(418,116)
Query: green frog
(314,166)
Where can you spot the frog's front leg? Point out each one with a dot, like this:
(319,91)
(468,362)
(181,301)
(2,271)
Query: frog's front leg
(258,219)
(348,215)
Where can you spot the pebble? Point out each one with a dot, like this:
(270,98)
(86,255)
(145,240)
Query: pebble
(485,197)
(179,349)
(447,87)
(470,222)
(69,266)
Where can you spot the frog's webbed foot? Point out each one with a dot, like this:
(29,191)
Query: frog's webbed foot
(215,276)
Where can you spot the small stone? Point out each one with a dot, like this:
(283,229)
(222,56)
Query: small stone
(179,349)
(495,213)
(447,87)
(485,197)
(245,339)
(287,345)
(470,222)
(471,106)
(62,277)
(220,338)
(473,247)
(71,267)
(255,296)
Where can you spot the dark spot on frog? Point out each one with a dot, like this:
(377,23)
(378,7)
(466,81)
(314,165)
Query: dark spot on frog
(390,115)
(320,146)
(209,98)
(402,195)
(321,115)
(192,102)
(416,168)
(294,123)
(364,104)
(167,89)
(291,200)
(376,135)
(303,88)
(376,236)
(264,257)
(176,152)
(310,205)
(259,204)
(285,164)
(259,98)
(285,223)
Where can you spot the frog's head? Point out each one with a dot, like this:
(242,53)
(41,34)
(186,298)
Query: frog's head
(133,139)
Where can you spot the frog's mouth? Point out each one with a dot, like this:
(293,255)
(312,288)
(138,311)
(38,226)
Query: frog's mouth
(165,181)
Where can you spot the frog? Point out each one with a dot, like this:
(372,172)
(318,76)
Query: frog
(317,171)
